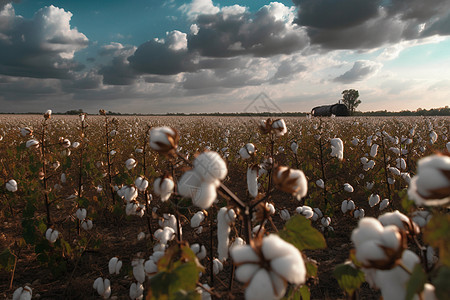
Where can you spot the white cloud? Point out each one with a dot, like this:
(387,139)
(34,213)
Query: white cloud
(198,7)
(362,69)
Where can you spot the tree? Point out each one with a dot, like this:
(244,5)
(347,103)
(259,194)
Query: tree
(350,99)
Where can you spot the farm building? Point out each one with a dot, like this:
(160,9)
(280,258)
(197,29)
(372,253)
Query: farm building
(339,110)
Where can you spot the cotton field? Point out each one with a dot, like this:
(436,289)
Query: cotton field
(182,207)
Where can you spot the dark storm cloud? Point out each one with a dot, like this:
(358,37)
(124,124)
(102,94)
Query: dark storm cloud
(361,69)
(353,24)
(41,47)
(332,14)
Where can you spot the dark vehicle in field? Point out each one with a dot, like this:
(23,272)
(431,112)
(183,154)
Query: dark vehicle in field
(339,110)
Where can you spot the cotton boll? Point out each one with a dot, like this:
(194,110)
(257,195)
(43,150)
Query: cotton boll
(11,185)
(374,150)
(344,206)
(141,236)
(103,287)
(247,151)
(252,182)
(205,195)
(368,229)
(136,291)
(383,204)
(394,171)
(87,224)
(320,183)
(364,160)
(326,221)
(163,139)
(284,214)
(370,185)
(337,148)
(23,293)
(243,253)
(217,266)
(224,220)
(189,184)
(398,219)
(163,187)
(197,219)
(114,265)
(141,183)
(51,235)
(391,181)
(81,214)
(374,199)
(210,166)
(348,188)
(138,270)
(421,217)
(359,213)
(150,267)
(294,147)
(260,287)
(246,271)
(401,163)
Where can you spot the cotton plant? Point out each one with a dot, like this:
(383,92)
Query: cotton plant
(225,217)
(267,266)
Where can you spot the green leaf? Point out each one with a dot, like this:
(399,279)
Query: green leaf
(6,260)
(441,283)
(349,278)
(311,267)
(416,282)
(299,232)
(305,293)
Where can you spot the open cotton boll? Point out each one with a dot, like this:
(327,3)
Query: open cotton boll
(421,217)
(205,195)
(81,214)
(260,287)
(87,224)
(291,181)
(374,150)
(326,221)
(168,220)
(130,193)
(243,254)
(150,267)
(246,271)
(247,151)
(136,291)
(138,270)
(252,182)
(164,140)
(306,211)
(11,185)
(394,171)
(217,266)
(197,218)
(225,217)
(23,293)
(210,166)
(189,184)
(359,213)
(348,188)
(199,250)
(103,287)
(370,251)
(294,147)
(163,186)
(285,215)
(368,229)
(401,163)
(374,199)
(51,235)
(32,143)
(383,204)
(398,219)
(320,183)
(337,148)
(114,265)
(130,163)
(141,236)
(75,145)
(141,183)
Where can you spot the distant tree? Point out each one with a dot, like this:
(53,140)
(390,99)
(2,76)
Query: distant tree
(350,98)
(74,112)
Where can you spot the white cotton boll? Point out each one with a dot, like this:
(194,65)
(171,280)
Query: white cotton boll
(421,217)
(112,152)
(26,131)
(11,185)
(163,187)
(32,144)
(348,188)
(395,150)
(246,271)
(189,184)
(394,171)
(391,181)
(113,133)
(433,137)
(114,265)
(374,199)
(279,126)
(383,204)
(130,163)
(260,286)
(23,293)
(432,259)
(141,236)
(141,183)
(51,235)
(130,193)
(406,177)
(364,160)
(374,150)
(217,266)
(103,287)
(344,206)
(448,146)
(368,229)
(252,182)
(237,242)
(392,283)
(370,251)
(139,150)
(291,267)
(136,291)
(87,224)
(168,220)
(318,212)
(326,221)
(224,220)
(199,250)
(429,292)
(294,147)
(75,145)
(205,195)
(315,217)
(285,215)
(81,214)
(279,284)
(243,253)
(320,183)
(210,166)
(401,163)
(150,267)
(63,178)
(138,270)
(359,213)
(370,185)
(337,148)
(390,237)
(197,218)
(395,218)
(355,141)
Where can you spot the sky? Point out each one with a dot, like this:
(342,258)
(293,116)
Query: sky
(153,56)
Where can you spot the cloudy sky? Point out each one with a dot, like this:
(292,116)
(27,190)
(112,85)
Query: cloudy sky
(153,56)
